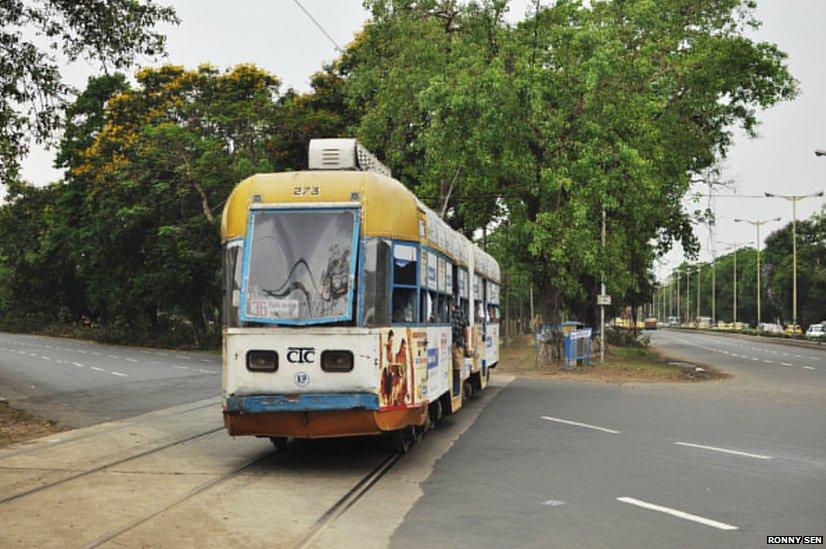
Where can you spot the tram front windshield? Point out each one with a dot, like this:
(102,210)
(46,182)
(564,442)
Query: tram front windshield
(299,266)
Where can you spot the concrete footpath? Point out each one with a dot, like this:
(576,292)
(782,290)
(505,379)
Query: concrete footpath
(174,478)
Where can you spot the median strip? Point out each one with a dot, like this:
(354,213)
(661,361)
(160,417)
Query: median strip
(677,513)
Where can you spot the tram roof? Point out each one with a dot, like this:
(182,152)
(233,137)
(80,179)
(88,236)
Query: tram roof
(389,209)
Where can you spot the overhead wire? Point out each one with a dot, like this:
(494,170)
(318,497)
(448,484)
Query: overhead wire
(320,27)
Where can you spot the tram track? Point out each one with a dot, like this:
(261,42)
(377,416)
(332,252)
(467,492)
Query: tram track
(99,431)
(108,465)
(348,500)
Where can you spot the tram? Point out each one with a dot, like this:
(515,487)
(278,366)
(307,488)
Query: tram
(350,308)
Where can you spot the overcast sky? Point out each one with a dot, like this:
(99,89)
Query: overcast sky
(278,36)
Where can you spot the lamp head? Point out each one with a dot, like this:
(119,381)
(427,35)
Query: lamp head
(770,195)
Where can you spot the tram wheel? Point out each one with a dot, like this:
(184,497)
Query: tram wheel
(436,412)
(400,441)
(279,442)
(467,391)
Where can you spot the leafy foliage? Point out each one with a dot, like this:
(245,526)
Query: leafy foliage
(33,33)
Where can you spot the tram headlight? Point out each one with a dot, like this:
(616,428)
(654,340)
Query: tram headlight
(337,361)
(262,361)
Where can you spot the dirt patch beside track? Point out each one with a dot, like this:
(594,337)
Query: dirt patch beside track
(16,425)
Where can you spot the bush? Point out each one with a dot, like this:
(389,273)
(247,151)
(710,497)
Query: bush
(626,338)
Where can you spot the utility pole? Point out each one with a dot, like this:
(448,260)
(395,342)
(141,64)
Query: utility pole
(679,311)
(757,223)
(699,283)
(602,292)
(734,246)
(688,295)
(714,288)
(794,199)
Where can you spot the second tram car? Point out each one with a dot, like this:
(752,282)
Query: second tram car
(350,308)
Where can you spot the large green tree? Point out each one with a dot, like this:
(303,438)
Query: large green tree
(578,108)
(36,36)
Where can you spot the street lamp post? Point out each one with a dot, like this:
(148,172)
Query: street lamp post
(757,224)
(794,199)
(733,246)
(697,318)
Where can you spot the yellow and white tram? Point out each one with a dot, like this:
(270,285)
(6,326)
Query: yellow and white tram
(342,295)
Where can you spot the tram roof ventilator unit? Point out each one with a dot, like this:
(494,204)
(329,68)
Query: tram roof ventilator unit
(343,154)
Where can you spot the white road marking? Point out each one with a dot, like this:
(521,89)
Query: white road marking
(580,424)
(553,503)
(768,361)
(724,450)
(78,364)
(735,354)
(786,364)
(798,356)
(113,357)
(677,513)
(82,351)
(95,353)
(119,374)
(45,358)
(205,360)
(181,367)
(131,360)
(809,368)
(755,358)
(95,368)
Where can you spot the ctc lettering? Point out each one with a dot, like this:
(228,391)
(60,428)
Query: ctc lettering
(300,355)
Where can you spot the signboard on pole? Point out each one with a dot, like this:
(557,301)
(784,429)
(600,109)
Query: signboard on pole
(603,299)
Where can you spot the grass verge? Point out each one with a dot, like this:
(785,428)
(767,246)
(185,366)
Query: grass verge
(17,425)
(622,364)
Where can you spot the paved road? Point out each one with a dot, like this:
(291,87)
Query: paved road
(533,462)
(552,463)
(81,383)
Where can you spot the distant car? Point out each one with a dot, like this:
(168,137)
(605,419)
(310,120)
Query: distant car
(816,330)
(672,321)
(793,329)
(650,323)
(703,322)
(770,328)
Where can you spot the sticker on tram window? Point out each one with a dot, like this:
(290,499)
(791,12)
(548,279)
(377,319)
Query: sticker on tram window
(273,308)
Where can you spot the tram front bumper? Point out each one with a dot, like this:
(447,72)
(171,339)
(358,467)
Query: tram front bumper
(315,415)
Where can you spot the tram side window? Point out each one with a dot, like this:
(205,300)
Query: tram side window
(232,283)
(376,282)
(493,314)
(405,291)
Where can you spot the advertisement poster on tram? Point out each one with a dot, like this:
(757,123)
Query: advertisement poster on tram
(403,367)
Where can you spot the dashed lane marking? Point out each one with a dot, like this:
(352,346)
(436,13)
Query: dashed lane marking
(78,364)
(723,450)
(768,361)
(181,367)
(677,513)
(809,368)
(131,360)
(578,424)
(119,374)
(786,364)
(95,368)
(553,503)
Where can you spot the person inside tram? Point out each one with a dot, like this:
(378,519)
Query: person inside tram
(459,327)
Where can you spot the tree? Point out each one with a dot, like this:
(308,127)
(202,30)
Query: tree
(575,109)
(32,36)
